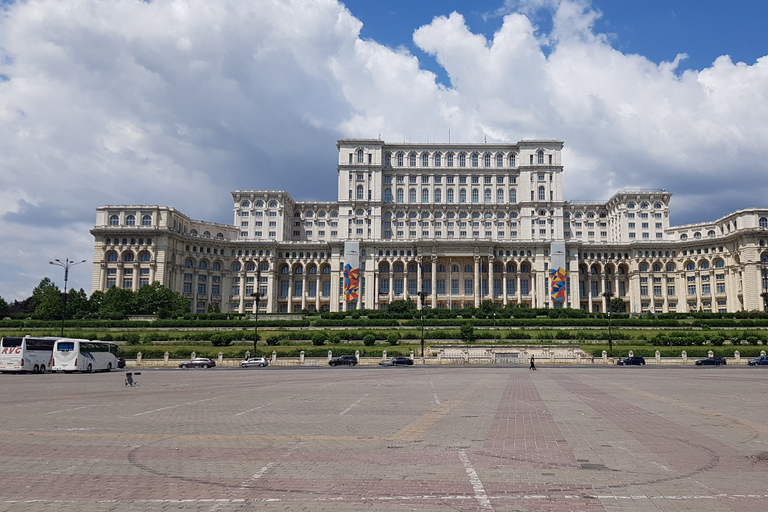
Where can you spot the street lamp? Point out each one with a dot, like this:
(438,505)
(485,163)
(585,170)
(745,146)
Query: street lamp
(494,327)
(422,295)
(257,296)
(608,296)
(66,264)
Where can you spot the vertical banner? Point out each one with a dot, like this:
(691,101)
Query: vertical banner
(351,271)
(557,271)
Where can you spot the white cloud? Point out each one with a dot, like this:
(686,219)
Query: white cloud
(180,102)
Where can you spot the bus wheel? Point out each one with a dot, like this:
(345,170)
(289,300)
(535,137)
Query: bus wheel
(90,368)
(42,368)
(109,367)
(36,369)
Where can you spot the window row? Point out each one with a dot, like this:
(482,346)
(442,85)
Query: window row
(130,220)
(450,196)
(461,159)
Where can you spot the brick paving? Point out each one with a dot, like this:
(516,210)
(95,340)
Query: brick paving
(394,439)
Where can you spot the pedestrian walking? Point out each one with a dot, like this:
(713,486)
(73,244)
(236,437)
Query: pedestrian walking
(533,364)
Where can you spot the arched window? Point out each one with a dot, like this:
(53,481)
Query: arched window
(496,268)
(474,159)
(387,195)
(145,256)
(265,266)
(412,195)
(128,256)
(499,160)
(704,265)
(400,158)
(400,195)
(711,233)
(462,160)
(217,266)
(112,256)
(236,267)
(487,195)
(130,220)
(670,267)
(467,268)
(524,268)
(384,268)
(146,220)
(697,235)
(719,264)
(313,270)
(542,194)
(114,220)
(462,196)
(202,265)
(683,237)
(690,266)
(438,159)
(326,270)
(500,196)
(189,264)
(763,223)
(643,267)
(511,267)
(193,232)
(540,157)
(245,204)
(424,160)
(398,267)
(657,267)
(360,192)
(412,160)
(412,267)
(441,268)
(360,156)
(438,195)
(285,270)
(425,195)
(487,160)
(512,160)
(449,159)
(388,160)
(298,270)
(475,195)
(512,195)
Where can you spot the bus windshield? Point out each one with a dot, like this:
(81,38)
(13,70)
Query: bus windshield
(65,346)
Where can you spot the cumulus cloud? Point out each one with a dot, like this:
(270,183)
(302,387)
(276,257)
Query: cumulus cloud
(180,102)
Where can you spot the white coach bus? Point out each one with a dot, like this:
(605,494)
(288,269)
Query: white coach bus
(26,354)
(73,355)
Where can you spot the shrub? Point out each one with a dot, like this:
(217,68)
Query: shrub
(318,339)
(369,340)
(393,338)
(273,340)
(467,332)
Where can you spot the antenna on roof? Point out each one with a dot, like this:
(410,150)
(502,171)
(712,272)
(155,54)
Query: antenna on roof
(449,135)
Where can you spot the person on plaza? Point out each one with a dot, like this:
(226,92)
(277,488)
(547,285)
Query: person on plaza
(533,365)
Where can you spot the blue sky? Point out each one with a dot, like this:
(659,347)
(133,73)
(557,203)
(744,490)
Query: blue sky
(179,103)
(657,29)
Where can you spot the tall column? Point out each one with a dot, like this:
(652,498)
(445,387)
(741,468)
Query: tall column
(505,298)
(490,279)
(304,291)
(434,282)
(476,282)
(419,287)
(318,290)
(290,291)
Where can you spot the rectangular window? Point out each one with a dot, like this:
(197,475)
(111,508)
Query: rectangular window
(454,286)
(469,287)
(691,289)
(284,287)
(524,286)
(510,286)
(441,286)
(326,288)
(398,286)
(384,285)
(412,286)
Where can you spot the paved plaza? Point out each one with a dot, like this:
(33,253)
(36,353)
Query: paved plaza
(394,439)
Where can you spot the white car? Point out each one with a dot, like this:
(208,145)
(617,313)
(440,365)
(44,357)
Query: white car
(255,361)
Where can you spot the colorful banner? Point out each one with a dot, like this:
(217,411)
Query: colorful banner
(351,271)
(557,278)
(557,271)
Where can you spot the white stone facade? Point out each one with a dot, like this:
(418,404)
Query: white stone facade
(461,223)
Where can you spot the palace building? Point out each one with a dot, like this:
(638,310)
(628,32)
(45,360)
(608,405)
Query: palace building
(444,225)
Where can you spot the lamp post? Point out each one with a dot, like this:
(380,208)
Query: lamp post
(494,327)
(66,264)
(257,296)
(422,295)
(608,296)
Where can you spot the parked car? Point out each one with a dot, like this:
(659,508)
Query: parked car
(199,362)
(397,361)
(760,361)
(711,361)
(632,361)
(348,360)
(255,361)
(120,362)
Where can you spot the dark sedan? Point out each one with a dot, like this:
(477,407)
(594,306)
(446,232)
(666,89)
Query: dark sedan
(120,362)
(760,361)
(711,361)
(199,362)
(397,361)
(632,361)
(343,360)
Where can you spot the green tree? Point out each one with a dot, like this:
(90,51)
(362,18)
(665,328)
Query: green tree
(488,307)
(39,291)
(151,298)
(617,305)
(403,308)
(3,308)
(369,340)
(48,304)
(78,305)
(116,302)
